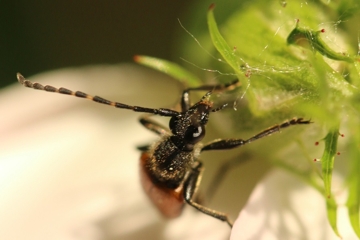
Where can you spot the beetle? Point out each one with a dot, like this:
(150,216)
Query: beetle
(170,169)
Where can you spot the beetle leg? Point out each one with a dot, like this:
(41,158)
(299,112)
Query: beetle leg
(153,125)
(190,188)
(185,98)
(221,173)
(233,143)
(144,148)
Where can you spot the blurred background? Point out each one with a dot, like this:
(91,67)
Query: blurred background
(37,36)
(40,36)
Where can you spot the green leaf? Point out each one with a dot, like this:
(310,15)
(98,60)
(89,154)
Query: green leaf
(220,44)
(226,51)
(287,80)
(311,39)
(357,66)
(328,157)
(311,178)
(353,201)
(327,163)
(346,8)
(331,208)
(172,69)
(252,41)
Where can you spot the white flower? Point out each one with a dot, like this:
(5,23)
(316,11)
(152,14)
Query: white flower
(69,169)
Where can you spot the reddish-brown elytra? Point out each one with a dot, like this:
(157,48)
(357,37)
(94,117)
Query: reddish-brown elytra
(170,169)
(169,201)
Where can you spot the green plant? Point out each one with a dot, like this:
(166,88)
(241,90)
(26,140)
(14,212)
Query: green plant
(300,59)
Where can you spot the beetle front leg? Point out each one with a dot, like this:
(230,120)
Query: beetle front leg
(153,126)
(185,97)
(222,144)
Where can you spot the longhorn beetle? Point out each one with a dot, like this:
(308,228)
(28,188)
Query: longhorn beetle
(170,169)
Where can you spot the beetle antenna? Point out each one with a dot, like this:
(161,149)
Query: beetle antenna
(160,111)
(219,108)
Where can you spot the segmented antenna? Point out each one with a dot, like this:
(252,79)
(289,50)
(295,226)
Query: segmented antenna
(160,111)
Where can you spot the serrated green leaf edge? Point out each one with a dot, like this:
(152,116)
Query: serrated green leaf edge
(328,158)
(169,68)
(327,164)
(311,39)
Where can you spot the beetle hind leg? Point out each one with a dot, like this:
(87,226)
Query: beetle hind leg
(190,188)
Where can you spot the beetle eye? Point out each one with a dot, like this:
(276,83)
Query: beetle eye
(194,134)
